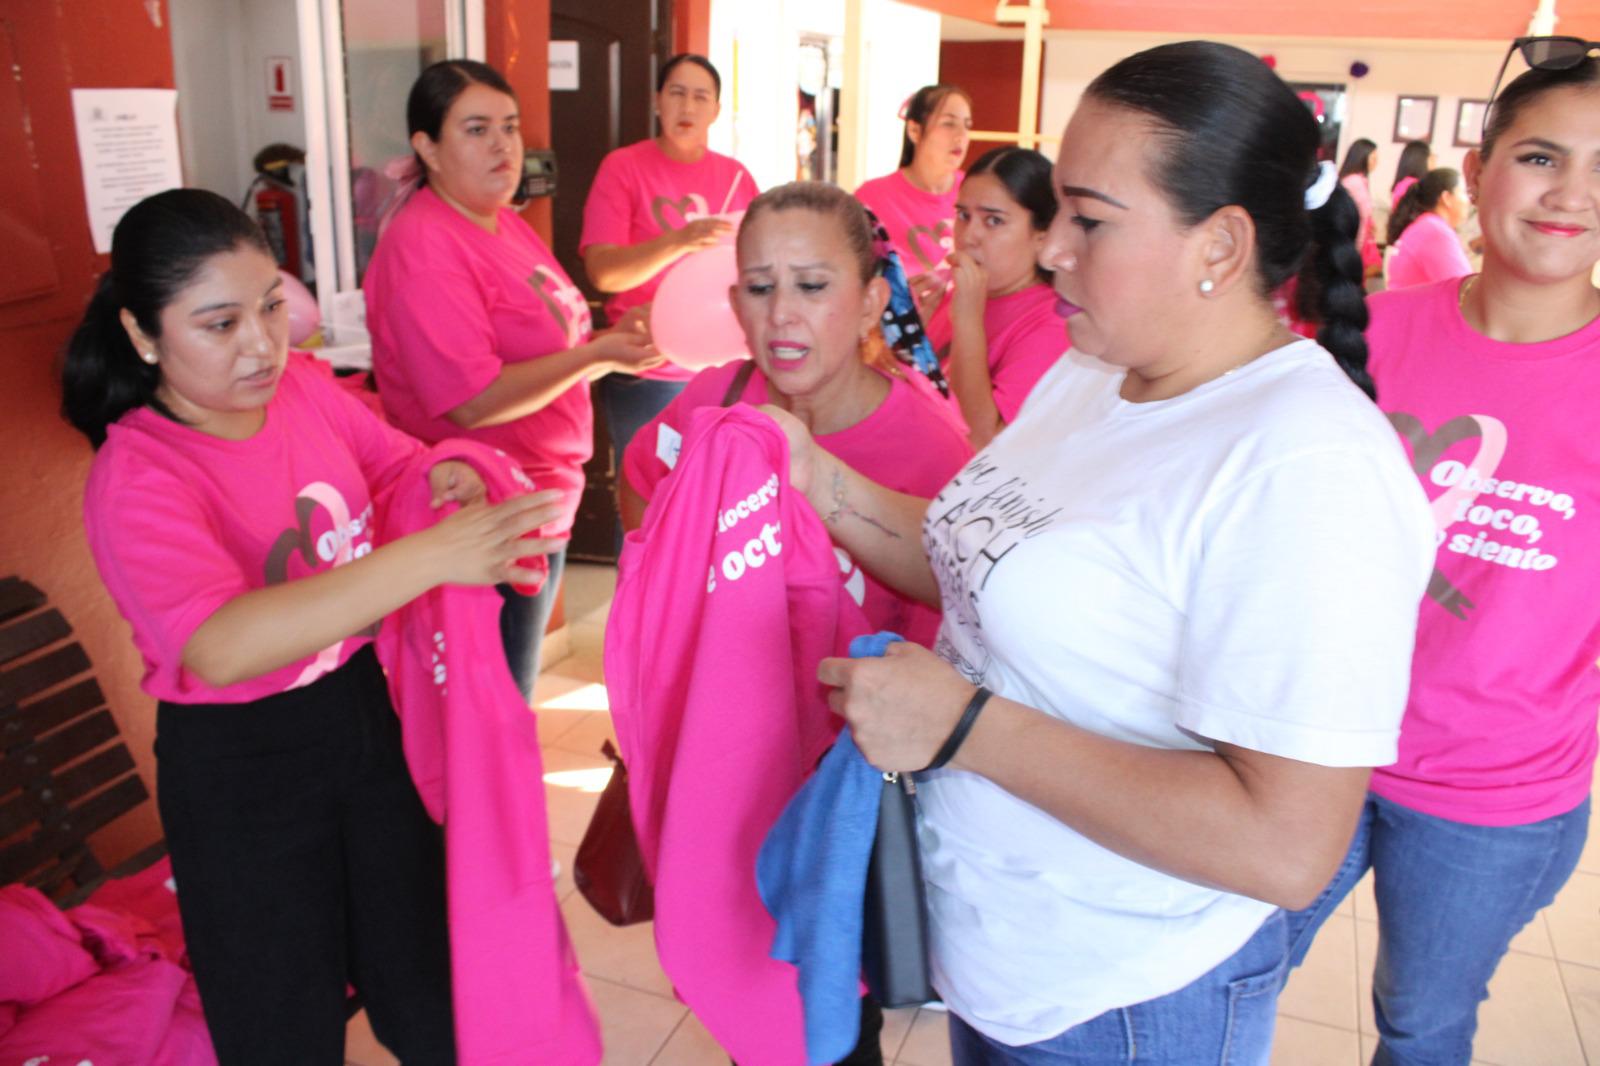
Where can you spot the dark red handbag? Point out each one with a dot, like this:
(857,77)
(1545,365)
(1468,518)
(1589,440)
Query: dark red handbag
(609,869)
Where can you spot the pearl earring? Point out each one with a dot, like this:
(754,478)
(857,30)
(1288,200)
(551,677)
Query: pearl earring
(149,357)
(1206,285)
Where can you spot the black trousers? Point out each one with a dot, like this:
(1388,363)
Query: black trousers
(304,860)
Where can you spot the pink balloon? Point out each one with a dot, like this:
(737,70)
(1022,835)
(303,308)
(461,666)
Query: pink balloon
(305,317)
(691,318)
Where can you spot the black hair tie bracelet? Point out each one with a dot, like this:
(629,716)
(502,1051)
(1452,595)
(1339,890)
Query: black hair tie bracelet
(958,735)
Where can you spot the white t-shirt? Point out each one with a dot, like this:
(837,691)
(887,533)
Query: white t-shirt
(1242,563)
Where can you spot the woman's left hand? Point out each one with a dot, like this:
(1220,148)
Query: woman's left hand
(901,707)
(453,481)
(635,320)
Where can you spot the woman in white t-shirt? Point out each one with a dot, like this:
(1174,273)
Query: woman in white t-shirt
(1188,573)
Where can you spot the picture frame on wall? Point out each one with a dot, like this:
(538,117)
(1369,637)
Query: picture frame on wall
(1469,122)
(1413,118)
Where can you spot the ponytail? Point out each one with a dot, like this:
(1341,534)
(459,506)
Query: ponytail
(102,376)
(1330,289)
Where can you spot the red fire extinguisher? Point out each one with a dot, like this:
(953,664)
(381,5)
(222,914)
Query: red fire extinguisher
(271,198)
(276,210)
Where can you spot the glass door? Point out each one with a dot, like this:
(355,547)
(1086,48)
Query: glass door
(361,59)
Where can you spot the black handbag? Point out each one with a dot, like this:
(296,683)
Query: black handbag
(894,933)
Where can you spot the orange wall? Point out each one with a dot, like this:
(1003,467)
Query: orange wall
(1459,19)
(517,43)
(41,481)
(120,45)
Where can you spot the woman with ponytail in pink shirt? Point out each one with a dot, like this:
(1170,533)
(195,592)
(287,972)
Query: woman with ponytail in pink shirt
(230,513)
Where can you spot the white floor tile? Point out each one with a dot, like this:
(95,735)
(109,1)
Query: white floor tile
(1574,920)
(1301,1043)
(634,1025)
(1323,988)
(928,1042)
(1526,1021)
(691,1045)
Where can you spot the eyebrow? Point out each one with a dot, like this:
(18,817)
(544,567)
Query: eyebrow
(277,283)
(1091,194)
(984,208)
(487,118)
(1540,142)
(768,268)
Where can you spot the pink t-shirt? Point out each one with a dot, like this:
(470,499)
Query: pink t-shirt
(1428,251)
(448,306)
(911,443)
(1356,185)
(181,522)
(1500,725)
(728,597)
(1026,335)
(640,192)
(922,228)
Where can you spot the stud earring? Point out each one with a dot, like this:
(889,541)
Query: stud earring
(1206,285)
(149,357)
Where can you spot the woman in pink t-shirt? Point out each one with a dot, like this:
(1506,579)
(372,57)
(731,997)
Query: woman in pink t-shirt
(1416,159)
(1490,380)
(1423,244)
(917,203)
(1356,177)
(1008,326)
(476,330)
(651,204)
(809,299)
(229,511)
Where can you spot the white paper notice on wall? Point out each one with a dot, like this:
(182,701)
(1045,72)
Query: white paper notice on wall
(128,145)
(563,66)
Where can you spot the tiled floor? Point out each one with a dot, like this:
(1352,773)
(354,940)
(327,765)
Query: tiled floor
(1543,1010)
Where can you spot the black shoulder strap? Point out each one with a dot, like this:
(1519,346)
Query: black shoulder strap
(740,380)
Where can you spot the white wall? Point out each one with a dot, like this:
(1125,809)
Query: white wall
(220,49)
(1449,70)
(755,45)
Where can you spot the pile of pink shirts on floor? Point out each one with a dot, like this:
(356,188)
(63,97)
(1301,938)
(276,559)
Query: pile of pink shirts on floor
(105,983)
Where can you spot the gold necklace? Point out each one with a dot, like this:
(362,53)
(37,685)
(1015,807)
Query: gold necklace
(1461,298)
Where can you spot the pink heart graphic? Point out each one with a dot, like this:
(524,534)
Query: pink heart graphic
(1427,448)
(685,209)
(918,237)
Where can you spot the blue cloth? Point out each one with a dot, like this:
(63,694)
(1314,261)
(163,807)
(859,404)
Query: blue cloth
(1450,896)
(812,875)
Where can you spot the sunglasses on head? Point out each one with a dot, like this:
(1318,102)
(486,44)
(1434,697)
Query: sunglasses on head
(1542,53)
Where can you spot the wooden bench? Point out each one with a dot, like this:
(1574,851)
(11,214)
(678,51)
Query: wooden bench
(64,771)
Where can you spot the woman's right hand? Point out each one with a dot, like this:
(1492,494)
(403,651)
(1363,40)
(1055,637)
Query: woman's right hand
(802,447)
(702,233)
(480,543)
(926,291)
(969,288)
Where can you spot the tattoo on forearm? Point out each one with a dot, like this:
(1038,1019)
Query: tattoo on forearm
(842,509)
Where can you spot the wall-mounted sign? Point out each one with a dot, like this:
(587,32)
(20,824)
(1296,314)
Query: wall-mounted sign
(280,83)
(128,145)
(563,66)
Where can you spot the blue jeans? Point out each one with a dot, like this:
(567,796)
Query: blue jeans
(1224,1017)
(523,620)
(1450,898)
